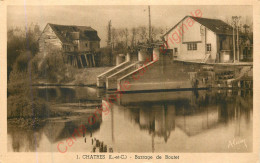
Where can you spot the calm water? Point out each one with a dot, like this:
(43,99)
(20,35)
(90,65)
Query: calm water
(182,121)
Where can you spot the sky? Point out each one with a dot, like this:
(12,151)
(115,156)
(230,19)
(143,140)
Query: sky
(121,16)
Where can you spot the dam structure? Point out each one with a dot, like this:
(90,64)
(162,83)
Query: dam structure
(202,56)
(157,69)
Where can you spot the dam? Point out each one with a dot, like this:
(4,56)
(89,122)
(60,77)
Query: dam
(156,69)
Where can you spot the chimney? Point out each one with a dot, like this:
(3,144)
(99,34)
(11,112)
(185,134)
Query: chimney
(75,39)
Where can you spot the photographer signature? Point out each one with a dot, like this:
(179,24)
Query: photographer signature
(237,143)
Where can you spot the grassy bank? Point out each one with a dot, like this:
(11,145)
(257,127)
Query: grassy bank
(88,76)
(82,77)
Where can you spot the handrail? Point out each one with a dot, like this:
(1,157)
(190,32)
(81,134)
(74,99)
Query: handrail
(140,68)
(113,68)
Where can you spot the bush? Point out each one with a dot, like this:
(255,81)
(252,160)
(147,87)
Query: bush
(21,41)
(18,83)
(22,61)
(21,100)
(25,66)
(20,106)
(52,67)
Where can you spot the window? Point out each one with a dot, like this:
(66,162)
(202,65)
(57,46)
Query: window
(86,44)
(75,48)
(65,47)
(189,47)
(208,47)
(192,46)
(175,54)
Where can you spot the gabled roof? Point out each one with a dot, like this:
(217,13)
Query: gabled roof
(85,32)
(215,25)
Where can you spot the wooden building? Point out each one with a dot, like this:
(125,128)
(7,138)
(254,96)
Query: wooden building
(205,40)
(79,44)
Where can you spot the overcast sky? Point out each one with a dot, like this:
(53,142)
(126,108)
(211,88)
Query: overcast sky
(121,16)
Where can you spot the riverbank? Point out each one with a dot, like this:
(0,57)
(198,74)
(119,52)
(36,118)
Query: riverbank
(82,77)
(25,122)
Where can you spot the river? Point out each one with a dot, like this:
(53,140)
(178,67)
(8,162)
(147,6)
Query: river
(173,121)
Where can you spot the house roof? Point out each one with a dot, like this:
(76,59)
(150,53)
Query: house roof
(85,32)
(215,25)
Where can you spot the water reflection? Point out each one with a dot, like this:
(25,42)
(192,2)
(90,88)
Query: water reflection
(28,139)
(24,140)
(194,114)
(182,121)
(69,94)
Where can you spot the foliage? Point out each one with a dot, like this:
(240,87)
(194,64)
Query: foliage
(21,42)
(52,66)
(19,83)
(25,67)
(22,61)
(123,38)
(22,101)
(26,107)
(88,76)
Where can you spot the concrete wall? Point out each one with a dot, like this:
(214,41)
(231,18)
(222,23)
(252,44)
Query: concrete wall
(157,77)
(101,78)
(111,81)
(145,54)
(161,74)
(120,58)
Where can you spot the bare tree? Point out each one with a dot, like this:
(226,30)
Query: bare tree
(123,37)
(143,33)
(133,41)
(114,37)
(120,34)
(156,32)
(126,34)
(109,33)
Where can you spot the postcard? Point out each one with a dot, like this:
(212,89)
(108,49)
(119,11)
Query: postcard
(135,81)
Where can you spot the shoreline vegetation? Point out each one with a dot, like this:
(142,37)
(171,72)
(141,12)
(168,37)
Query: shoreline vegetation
(82,77)
(28,68)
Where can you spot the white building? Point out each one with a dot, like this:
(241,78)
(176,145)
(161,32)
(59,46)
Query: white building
(201,39)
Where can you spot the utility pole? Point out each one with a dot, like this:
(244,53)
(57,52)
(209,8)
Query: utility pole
(238,21)
(109,34)
(150,30)
(109,45)
(234,43)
